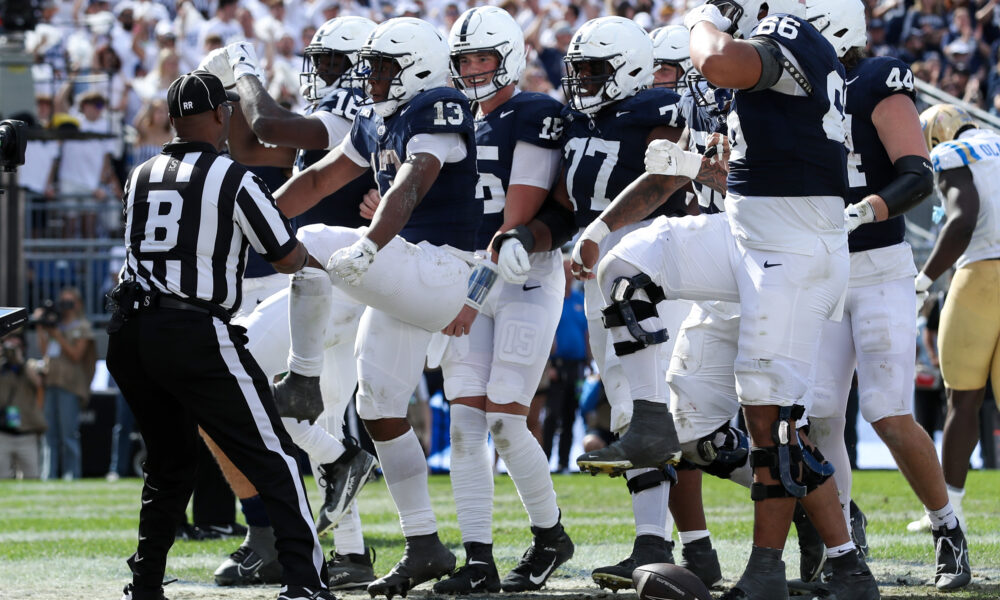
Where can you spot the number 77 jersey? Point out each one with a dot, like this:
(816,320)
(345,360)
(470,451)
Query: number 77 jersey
(789,140)
(603,155)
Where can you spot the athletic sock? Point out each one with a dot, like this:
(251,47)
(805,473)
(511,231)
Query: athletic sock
(649,507)
(405,469)
(471,474)
(944,516)
(527,465)
(692,536)
(347,535)
(315,441)
(309,302)
(254,511)
(840,550)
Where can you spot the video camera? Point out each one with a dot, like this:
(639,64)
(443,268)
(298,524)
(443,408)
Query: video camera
(51,314)
(12,143)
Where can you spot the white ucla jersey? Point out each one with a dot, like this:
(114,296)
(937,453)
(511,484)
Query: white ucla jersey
(978,149)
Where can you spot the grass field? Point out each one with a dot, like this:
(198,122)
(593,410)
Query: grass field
(69,540)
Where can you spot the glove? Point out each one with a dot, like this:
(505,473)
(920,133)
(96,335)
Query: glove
(664,157)
(922,283)
(512,261)
(351,263)
(217,63)
(243,60)
(707,12)
(858,214)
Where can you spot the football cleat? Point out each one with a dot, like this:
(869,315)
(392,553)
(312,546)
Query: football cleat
(952,555)
(701,559)
(424,558)
(859,530)
(646,549)
(298,397)
(342,480)
(231,530)
(194,533)
(851,579)
(351,571)
(650,442)
(550,548)
(246,567)
(298,592)
(763,578)
(479,575)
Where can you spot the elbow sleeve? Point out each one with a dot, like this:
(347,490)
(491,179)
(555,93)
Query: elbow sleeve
(914,182)
(560,220)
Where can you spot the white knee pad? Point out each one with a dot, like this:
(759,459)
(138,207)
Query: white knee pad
(528,467)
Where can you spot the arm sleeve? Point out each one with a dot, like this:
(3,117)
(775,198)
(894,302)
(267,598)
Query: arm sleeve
(535,166)
(336,127)
(262,223)
(446,147)
(347,147)
(773,76)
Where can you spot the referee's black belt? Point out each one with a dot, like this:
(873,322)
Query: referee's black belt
(172,303)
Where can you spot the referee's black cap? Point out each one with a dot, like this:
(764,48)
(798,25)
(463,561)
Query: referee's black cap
(197,92)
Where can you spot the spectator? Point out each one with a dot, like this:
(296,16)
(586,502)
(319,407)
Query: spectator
(155,83)
(551,55)
(70,358)
(568,359)
(21,421)
(223,24)
(152,125)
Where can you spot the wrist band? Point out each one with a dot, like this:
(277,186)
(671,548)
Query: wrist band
(596,231)
(521,233)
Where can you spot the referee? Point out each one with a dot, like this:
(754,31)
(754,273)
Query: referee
(190,216)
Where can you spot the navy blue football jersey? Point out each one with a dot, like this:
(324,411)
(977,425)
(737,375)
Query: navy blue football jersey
(703,121)
(791,145)
(529,117)
(341,207)
(604,154)
(869,168)
(449,213)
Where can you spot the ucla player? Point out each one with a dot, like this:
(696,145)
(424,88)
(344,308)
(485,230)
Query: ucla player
(342,470)
(780,250)
(493,364)
(889,172)
(412,267)
(965,159)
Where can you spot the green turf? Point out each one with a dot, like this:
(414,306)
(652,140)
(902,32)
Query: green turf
(58,537)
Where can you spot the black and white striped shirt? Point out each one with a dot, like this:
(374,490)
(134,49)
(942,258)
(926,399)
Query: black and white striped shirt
(190,215)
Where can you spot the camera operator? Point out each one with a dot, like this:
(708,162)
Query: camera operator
(66,340)
(21,420)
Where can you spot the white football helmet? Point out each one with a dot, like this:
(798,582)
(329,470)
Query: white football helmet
(339,40)
(485,29)
(744,13)
(419,52)
(616,57)
(842,22)
(671,47)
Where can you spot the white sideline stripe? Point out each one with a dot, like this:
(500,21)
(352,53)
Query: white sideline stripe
(267,434)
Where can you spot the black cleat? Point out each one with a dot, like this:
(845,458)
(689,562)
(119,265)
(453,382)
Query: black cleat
(424,558)
(478,576)
(342,480)
(952,554)
(646,549)
(133,593)
(550,548)
(763,578)
(812,551)
(246,567)
(850,579)
(351,571)
(701,559)
(230,530)
(298,592)
(651,441)
(859,529)
(298,397)
(193,533)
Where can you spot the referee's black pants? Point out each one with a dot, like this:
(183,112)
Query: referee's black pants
(181,369)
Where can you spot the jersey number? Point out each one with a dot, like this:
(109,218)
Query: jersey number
(855,177)
(448,113)
(673,111)
(576,149)
(900,81)
(551,128)
(786,27)
(162,222)
(833,120)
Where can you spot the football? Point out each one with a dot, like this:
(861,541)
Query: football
(664,581)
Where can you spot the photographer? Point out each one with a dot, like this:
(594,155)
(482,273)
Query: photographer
(66,339)
(21,420)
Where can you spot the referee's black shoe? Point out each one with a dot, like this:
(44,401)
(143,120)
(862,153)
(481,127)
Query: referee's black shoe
(133,593)
(298,397)
(424,558)
(298,592)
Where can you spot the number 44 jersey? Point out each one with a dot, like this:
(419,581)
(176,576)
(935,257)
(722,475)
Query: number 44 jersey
(603,155)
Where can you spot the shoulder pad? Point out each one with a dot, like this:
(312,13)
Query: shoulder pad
(953,155)
(441,110)
(538,119)
(653,107)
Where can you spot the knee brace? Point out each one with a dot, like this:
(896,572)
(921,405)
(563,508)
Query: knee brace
(626,312)
(800,469)
(723,451)
(651,479)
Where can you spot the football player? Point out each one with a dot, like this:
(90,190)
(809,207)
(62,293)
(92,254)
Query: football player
(611,118)
(671,58)
(889,172)
(294,140)
(965,160)
(413,267)
(780,250)
(493,364)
